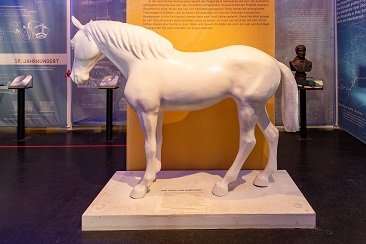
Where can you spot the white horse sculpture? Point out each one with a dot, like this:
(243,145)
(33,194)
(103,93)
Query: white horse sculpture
(161,78)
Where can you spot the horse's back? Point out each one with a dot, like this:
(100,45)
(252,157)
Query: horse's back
(245,52)
(253,73)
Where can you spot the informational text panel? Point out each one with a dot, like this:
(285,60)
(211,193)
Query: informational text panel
(351,26)
(209,138)
(309,23)
(33,41)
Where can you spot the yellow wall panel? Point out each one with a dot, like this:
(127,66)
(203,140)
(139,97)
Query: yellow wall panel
(209,138)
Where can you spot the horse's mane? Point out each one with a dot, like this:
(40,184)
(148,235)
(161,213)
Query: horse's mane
(141,42)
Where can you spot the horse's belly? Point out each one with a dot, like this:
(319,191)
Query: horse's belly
(189,103)
(194,90)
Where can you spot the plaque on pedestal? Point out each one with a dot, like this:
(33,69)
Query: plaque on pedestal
(311,84)
(22,82)
(109,82)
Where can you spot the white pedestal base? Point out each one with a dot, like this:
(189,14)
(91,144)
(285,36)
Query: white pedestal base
(183,200)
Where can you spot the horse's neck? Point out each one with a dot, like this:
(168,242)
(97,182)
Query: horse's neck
(120,58)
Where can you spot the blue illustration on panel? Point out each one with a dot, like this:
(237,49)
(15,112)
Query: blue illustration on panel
(33,26)
(352,68)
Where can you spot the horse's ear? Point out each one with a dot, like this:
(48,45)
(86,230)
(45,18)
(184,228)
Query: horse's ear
(77,23)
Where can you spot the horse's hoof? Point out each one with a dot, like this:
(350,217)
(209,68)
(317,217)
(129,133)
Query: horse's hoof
(220,189)
(261,181)
(138,192)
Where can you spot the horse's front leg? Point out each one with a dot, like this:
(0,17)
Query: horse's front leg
(148,123)
(159,141)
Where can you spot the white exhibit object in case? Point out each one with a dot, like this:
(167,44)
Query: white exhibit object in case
(183,200)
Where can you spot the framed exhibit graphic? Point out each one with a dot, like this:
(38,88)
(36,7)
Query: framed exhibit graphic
(33,41)
(89,103)
(207,138)
(309,23)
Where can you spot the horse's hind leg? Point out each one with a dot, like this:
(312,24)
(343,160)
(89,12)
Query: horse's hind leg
(271,134)
(148,122)
(247,120)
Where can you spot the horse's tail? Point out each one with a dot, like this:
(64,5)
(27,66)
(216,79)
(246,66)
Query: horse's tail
(289,101)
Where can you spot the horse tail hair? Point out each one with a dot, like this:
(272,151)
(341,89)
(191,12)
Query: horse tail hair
(289,101)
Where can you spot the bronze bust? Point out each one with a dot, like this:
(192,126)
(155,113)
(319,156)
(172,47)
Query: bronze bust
(300,64)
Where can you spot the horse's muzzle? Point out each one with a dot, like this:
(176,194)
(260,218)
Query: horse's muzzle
(72,76)
(79,79)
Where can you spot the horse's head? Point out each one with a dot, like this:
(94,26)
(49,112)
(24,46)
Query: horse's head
(86,54)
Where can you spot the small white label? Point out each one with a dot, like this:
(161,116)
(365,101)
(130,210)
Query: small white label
(181,201)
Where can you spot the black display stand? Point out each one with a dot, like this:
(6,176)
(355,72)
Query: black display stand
(303,89)
(21,83)
(109,85)
(21,114)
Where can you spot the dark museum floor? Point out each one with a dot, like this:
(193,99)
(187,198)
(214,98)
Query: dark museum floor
(48,180)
